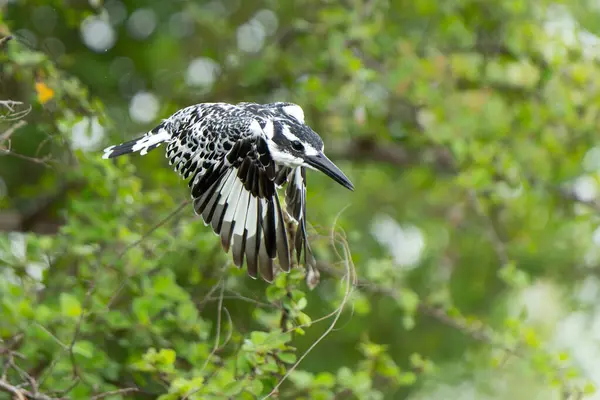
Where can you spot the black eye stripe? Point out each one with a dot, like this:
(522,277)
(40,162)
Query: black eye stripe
(297,145)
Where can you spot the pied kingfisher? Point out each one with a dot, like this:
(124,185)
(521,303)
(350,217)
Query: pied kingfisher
(236,157)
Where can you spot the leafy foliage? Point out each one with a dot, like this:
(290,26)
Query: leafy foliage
(475,122)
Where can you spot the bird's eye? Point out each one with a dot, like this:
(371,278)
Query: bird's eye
(297,145)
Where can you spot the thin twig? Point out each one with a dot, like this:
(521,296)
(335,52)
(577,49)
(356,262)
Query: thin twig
(350,278)
(13,114)
(5,40)
(40,161)
(492,232)
(218,333)
(52,335)
(140,240)
(8,388)
(235,296)
(214,288)
(217,345)
(10,131)
(10,104)
(86,304)
(24,375)
(22,394)
(114,393)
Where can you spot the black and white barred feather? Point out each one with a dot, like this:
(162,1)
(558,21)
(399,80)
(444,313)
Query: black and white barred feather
(223,150)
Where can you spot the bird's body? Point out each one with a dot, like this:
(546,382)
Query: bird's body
(235,158)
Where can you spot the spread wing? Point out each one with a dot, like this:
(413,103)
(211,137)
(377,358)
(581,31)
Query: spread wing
(232,178)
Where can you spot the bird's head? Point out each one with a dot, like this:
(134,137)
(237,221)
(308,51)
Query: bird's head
(294,144)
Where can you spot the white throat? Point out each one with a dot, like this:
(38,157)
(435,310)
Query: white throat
(282,157)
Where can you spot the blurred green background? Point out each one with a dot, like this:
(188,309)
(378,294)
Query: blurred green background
(468,127)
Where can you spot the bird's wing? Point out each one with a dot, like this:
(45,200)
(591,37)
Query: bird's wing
(295,200)
(201,135)
(232,183)
(238,198)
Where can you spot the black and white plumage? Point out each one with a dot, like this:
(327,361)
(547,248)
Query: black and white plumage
(235,158)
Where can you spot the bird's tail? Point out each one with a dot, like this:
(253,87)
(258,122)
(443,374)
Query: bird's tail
(144,144)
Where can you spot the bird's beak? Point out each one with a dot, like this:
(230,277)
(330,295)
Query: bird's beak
(322,163)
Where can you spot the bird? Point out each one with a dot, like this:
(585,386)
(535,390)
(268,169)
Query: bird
(236,159)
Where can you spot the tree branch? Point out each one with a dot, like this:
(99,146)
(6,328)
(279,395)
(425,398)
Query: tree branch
(10,131)
(5,40)
(22,394)
(115,393)
(13,114)
(8,388)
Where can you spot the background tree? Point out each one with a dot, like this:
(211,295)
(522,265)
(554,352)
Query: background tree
(463,266)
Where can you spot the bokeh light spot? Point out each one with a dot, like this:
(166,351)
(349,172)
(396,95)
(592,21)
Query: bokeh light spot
(97,34)
(144,107)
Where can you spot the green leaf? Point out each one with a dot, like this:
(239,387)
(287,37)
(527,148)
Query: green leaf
(276,293)
(408,300)
(166,356)
(243,363)
(416,360)
(304,319)
(255,387)
(325,380)
(70,305)
(407,378)
(345,377)
(288,358)
(361,382)
(513,276)
(408,322)
(371,350)
(234,388)
(258,337)
(589,389)
(270,366)
(302,379)
(84,348)
(301,304)
(143,309)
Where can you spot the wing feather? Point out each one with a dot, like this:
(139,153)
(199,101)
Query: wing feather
(217,214)
(283,251)
(229,216)
(238,240)
(265,262)
(210,195)
(295,199)
(253,234)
